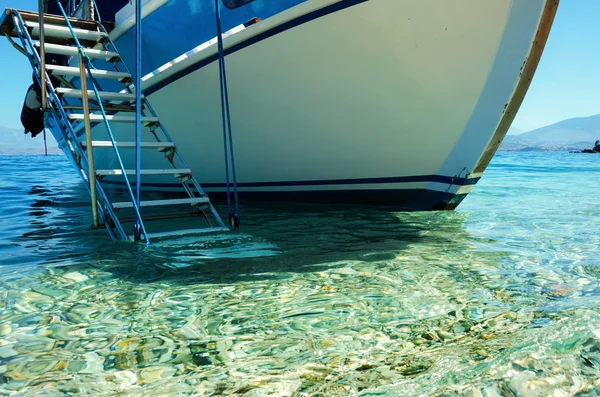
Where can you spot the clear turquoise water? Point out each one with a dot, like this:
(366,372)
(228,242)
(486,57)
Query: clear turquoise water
(499,298)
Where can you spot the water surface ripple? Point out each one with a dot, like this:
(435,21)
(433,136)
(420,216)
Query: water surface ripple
(499,298)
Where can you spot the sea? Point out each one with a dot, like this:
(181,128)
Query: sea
(498,298)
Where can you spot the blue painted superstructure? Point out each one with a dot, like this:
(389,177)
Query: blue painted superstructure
(180,25)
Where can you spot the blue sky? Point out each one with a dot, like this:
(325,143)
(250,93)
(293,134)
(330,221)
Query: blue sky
(15,72)
(567,83)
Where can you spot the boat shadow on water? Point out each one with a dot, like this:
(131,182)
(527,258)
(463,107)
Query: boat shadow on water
(276,240)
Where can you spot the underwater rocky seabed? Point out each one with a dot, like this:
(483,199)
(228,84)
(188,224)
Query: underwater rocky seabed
(500,298)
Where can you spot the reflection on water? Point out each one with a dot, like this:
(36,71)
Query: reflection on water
(497,299)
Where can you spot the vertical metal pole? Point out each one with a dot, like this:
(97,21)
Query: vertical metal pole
(42,52)
(88,138)
(138,109)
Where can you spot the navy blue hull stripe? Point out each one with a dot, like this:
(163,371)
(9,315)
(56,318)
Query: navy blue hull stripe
(343,4)
(357,181)
(388,199)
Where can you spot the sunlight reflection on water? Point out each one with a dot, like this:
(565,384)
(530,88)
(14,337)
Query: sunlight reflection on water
(498,298)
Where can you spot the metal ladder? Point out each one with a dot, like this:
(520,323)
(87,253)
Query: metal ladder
(76,109)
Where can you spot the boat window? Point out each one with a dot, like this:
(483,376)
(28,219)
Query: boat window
(231,4)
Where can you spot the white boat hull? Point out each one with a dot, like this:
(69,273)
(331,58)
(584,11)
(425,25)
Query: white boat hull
(398,103)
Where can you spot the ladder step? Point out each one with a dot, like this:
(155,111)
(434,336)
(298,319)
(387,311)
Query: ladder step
(187,231)
(162,217)
(73,51)
(156,145)
(116,118)
(153,203)
(107,96)
(60,20)
(108,107)
(169,171)
(72,71)
(63,32)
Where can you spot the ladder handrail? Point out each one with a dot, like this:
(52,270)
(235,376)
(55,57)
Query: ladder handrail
(161,127)
(118,155)
(85,59)
(76,149)
(153,113)
(27,43)
(138,109)
(194,181)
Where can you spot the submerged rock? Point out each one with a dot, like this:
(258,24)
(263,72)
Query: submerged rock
(75,276)
(558,290)
(8,351)
(5,329)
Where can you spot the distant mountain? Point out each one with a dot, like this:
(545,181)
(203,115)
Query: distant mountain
(14,141)
(514,131)
(572,134)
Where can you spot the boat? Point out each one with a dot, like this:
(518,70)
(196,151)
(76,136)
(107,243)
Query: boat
(594,150)
(393,103)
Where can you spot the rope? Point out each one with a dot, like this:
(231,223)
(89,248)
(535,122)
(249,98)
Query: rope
(227,134)
(77,43)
